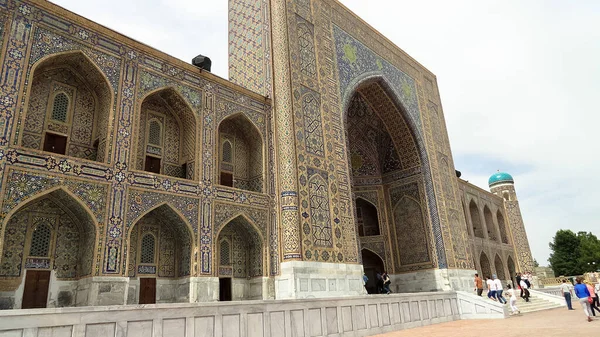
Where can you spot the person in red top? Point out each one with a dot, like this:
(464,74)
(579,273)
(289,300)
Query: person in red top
(478,285)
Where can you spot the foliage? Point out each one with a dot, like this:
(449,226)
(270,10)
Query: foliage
(574,254)
(535,263)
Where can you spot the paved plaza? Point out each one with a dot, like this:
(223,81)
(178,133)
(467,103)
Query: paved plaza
(556,322)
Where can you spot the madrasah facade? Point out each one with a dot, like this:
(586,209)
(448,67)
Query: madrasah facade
(131,177)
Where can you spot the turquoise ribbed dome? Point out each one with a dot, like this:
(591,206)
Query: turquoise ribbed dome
(499,178)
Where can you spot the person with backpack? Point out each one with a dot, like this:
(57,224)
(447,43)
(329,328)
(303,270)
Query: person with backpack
(386,283)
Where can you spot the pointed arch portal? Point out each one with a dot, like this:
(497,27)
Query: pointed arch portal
(241,267)
(51,232)
(159,253)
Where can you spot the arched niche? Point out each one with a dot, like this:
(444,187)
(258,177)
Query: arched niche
(367,218)
(476,220)
(499,266)
(240,259)
(48,243)
(241,155)
(489,222)
(166,135)
(160,244)
(502,226)
(486,268)
(69,107)
(372,264)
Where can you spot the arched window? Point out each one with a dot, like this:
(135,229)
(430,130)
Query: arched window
(227,152)
(40,241)
(225,253)
(148,244)
(60,108)
(154,133)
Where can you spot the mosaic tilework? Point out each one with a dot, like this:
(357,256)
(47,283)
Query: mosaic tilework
(319,210)
(519,236)
(24,186)
(313,130)
(69,244)
(326,52)
(249,45)
(284,121)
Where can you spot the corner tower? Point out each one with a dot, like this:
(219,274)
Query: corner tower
(503,185)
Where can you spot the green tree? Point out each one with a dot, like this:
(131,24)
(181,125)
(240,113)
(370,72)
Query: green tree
(589,252)
(565,256)
(535,263)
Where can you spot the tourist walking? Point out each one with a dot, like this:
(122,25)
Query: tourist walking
(478,285)
(365,280)
(566,290)
(499,289)
(511,293)
(583,294)
(386,283)
(491,288)
(594,297)
(525,290)
(379,283)
(518,277)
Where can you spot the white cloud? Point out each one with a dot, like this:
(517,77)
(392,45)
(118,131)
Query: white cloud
(518,81)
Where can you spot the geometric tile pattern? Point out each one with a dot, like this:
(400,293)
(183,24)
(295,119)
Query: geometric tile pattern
(301,207)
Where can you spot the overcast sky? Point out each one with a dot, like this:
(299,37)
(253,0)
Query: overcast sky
(519,82)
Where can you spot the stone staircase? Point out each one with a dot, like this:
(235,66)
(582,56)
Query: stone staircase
(535,304)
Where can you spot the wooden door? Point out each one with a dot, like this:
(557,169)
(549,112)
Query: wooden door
(55,143)
(35,294)
(226,179)
(147,290)
(152,164)
(225,289)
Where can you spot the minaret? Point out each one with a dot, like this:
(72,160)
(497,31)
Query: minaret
(503,185)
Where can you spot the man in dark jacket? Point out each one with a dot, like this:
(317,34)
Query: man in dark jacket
(518,277)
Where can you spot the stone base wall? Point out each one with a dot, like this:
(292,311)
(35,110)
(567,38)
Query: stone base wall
(302,279)
(433,280)
(347,316)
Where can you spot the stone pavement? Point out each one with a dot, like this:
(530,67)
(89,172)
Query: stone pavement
(555,322)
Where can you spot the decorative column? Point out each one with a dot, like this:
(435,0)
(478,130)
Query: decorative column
(285,135)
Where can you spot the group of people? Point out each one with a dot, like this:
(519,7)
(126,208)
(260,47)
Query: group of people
(383,283)
(586,292)
(496,289)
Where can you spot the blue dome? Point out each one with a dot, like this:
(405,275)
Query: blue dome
(499,178)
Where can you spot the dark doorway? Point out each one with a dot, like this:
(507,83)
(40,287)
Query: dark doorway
(55,143)
(147,290)
(225,289)
(226,179)
(35,294)
(372,264)
(152,164)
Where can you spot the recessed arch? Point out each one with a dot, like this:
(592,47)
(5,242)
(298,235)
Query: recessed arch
(171,208)
(246,218)
(87,129)
(510,263)
(367,217)
(499,266)
(247,265)
(176,156)
(52,230)
(489,224)
(379,95)
(246,169)
(372,264)
(160,247)
(478,229)
(502,226)
(484,263)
